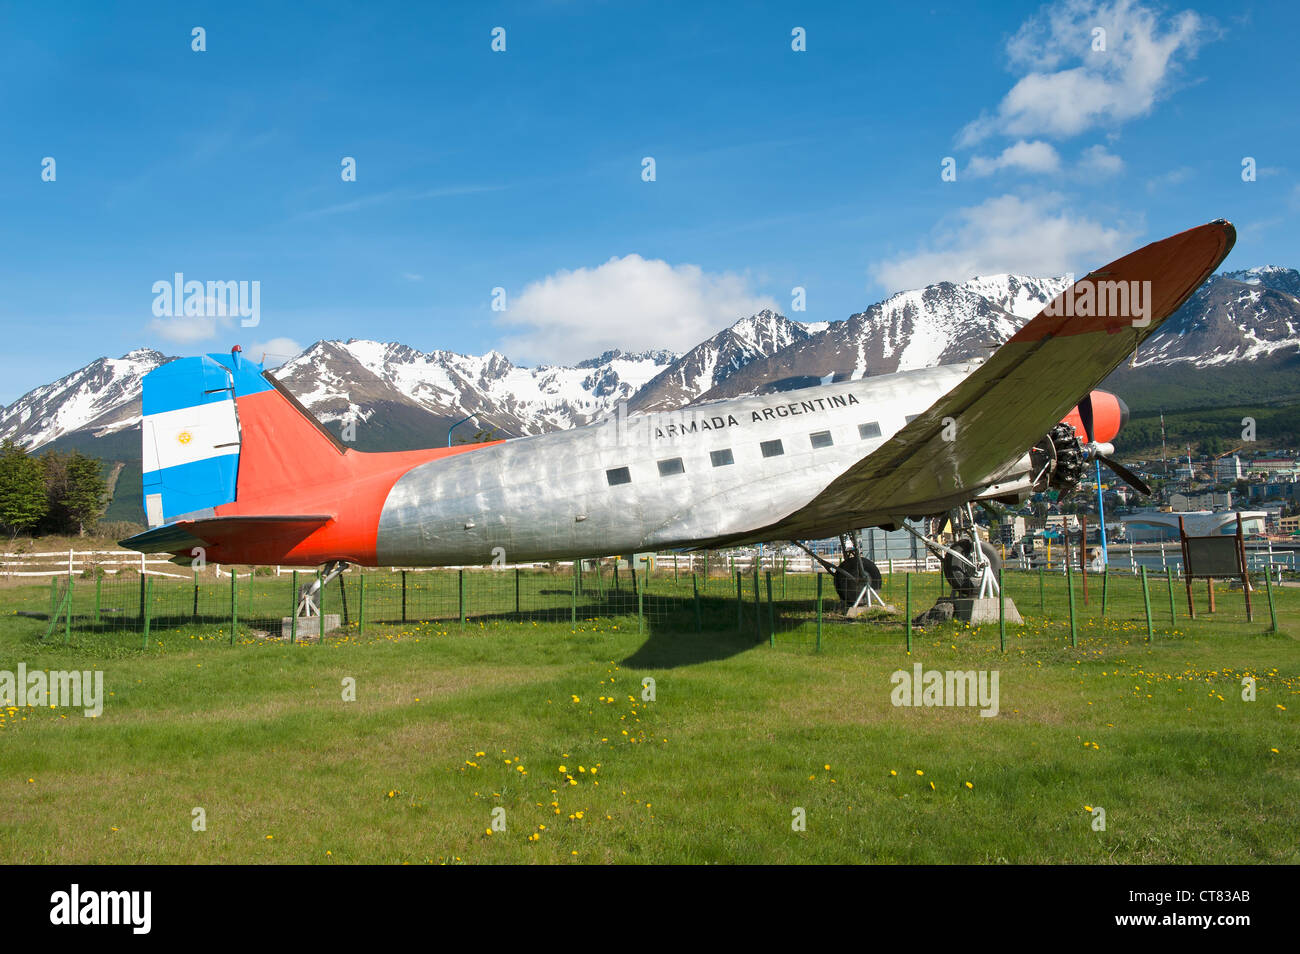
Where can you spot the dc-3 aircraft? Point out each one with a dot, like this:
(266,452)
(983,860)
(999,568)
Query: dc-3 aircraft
(235,465)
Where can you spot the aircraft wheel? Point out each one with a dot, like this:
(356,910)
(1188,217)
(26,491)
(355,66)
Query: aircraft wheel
(964,580)
(847,582)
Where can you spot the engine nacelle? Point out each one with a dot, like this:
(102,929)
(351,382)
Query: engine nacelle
(1059,460)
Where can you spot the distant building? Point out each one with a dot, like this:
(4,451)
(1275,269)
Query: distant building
(1228,468)
(1155,526)
(1208,500)
(1289,525)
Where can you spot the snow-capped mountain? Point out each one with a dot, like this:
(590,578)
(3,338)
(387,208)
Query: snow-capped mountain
(707,365)
(1275,277)
(939,324)
(1236,316)
(102,397)
(349,381)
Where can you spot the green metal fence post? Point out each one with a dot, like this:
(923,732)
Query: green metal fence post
(907,610)
(771,610)
(819,612)
(293,610)
(460,594)
(740,618)
(403,596)
(194,611)
(1173,611)
(1105,589)
(640,601)
(1146,602)
(1272,611)
(758,607)
(1002,612)
(1069,585)
(361,603)
(67,618)
(98,581)
(695,589)
(234,604)
(320,608)
(573,615)
(148,612)
(1042,601)
(517,611)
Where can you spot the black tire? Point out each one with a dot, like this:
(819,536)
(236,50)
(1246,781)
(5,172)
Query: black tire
(962,578)
(847,583)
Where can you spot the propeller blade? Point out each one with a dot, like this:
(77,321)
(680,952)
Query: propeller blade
(1126,475)
(1085,415)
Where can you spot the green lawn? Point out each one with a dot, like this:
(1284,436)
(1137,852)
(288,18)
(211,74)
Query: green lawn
(451,722)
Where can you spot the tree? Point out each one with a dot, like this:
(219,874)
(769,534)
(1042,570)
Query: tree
(23,500)
(85,491)
(75,490)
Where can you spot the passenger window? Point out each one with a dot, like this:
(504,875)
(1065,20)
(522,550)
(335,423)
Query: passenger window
(721,458)
(772,448)
(618,475)
(821,439)
(868,430)
(671,466)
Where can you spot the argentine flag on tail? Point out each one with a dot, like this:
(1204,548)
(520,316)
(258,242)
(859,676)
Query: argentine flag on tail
(191,434)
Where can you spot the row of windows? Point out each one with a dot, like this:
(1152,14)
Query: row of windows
(724,457)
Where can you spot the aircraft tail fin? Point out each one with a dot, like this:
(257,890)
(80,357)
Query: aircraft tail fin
(218,429)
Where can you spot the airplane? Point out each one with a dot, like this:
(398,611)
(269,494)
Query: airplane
(236,466)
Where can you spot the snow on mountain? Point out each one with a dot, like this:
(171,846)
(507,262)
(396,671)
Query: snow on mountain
(1235,316)
(340,381)
(939,324)
(711,362)
(102,397)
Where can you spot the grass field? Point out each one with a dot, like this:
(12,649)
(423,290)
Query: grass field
(546,720)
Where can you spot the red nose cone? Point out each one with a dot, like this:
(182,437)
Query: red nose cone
(1109,415)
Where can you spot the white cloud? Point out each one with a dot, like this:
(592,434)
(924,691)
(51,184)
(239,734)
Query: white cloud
(1098,161)
(1034,235)
(630,303)
(1174,177)
(1143,54)
(188,329)
(273,352)
(1036,156)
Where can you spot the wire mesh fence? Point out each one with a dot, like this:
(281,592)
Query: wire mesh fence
(721,592)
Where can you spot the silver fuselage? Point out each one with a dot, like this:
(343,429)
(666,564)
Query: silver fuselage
(551,497)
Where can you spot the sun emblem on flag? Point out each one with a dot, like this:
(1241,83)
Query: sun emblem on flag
(184,437)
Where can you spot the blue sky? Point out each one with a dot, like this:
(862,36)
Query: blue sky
(523,169)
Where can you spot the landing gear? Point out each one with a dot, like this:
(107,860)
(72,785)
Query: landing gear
(964,575)
(857,580)
(853,573)
(970,570)
(308,604)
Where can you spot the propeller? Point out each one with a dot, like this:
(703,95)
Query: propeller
(1101,451)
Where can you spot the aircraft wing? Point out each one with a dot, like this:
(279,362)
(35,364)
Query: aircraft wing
(1014,399)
